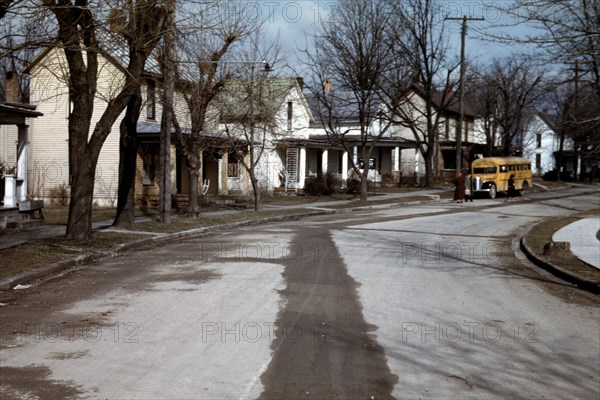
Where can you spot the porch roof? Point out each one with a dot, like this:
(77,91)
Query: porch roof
(15,114)
(150,132)
(323,140)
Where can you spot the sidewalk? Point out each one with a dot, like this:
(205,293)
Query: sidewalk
(582,237)
(16,238)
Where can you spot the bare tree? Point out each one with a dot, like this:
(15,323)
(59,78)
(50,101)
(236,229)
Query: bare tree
(5,6)
(565,32)
(78,36)
(519,87)
(574,115)
(565,37)
(204,68)
(141,25)
(484,97)
(423,83)
(24,30)
(248,109)
(350,59)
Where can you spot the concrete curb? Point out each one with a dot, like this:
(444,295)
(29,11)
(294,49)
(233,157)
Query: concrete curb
(579,281)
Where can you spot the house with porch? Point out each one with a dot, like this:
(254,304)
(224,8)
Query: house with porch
(221,173)
(15,119)
(297,146)
(541,145)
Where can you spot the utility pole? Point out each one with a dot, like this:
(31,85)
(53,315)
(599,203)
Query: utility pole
(461,94)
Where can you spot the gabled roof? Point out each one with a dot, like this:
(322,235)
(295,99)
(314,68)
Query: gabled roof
(113,47)
(447,102)
(254,97)
(343,103)
(549,120)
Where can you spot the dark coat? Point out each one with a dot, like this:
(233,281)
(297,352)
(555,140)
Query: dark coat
(459,189)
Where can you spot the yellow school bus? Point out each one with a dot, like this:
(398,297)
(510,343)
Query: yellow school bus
(490,174)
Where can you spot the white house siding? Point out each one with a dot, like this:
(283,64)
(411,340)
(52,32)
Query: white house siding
(273,162)
(550,144)
(48,152)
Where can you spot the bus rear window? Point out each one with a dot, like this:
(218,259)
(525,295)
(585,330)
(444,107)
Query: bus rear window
(486,170)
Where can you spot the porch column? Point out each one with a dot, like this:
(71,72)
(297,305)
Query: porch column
(344,168)
(325,161)
(396,159)
(22,162)
(302,168)
(223,185)
(355,155)
(10,198)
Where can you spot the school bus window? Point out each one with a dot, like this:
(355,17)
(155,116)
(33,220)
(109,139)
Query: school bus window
(487,170)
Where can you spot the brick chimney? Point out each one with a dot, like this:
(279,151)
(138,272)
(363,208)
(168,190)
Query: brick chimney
(12,87)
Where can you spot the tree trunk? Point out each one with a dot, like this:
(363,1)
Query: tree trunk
(128,164)
(429,177)
(194,174)
(79,226)
(364,183)
(256,190)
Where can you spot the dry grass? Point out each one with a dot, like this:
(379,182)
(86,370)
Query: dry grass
(294,199)
(40,253)
(55,215)
(541,234)
(179,224)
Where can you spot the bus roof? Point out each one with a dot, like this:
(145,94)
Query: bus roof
(501,160)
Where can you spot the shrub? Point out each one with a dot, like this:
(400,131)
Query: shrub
(59,195)
(353,186)
(333,182)
(315,186)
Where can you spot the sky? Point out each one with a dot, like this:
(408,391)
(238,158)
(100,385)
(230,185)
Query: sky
(293,20)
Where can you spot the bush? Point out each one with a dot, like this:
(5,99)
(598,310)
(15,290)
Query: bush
(333,182)
(59,195)
(352,186)
(565,176)
(315,186)
(322,186)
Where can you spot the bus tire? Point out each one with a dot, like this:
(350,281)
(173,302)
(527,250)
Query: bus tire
(492,192)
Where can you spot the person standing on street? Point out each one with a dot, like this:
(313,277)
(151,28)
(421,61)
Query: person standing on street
(469,188)
(510,194)
(459,188)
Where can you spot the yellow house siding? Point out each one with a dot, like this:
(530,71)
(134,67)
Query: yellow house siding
(48,135)
(48,152)
(8,144)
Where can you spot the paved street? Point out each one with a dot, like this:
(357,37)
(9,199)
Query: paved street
(430,301)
